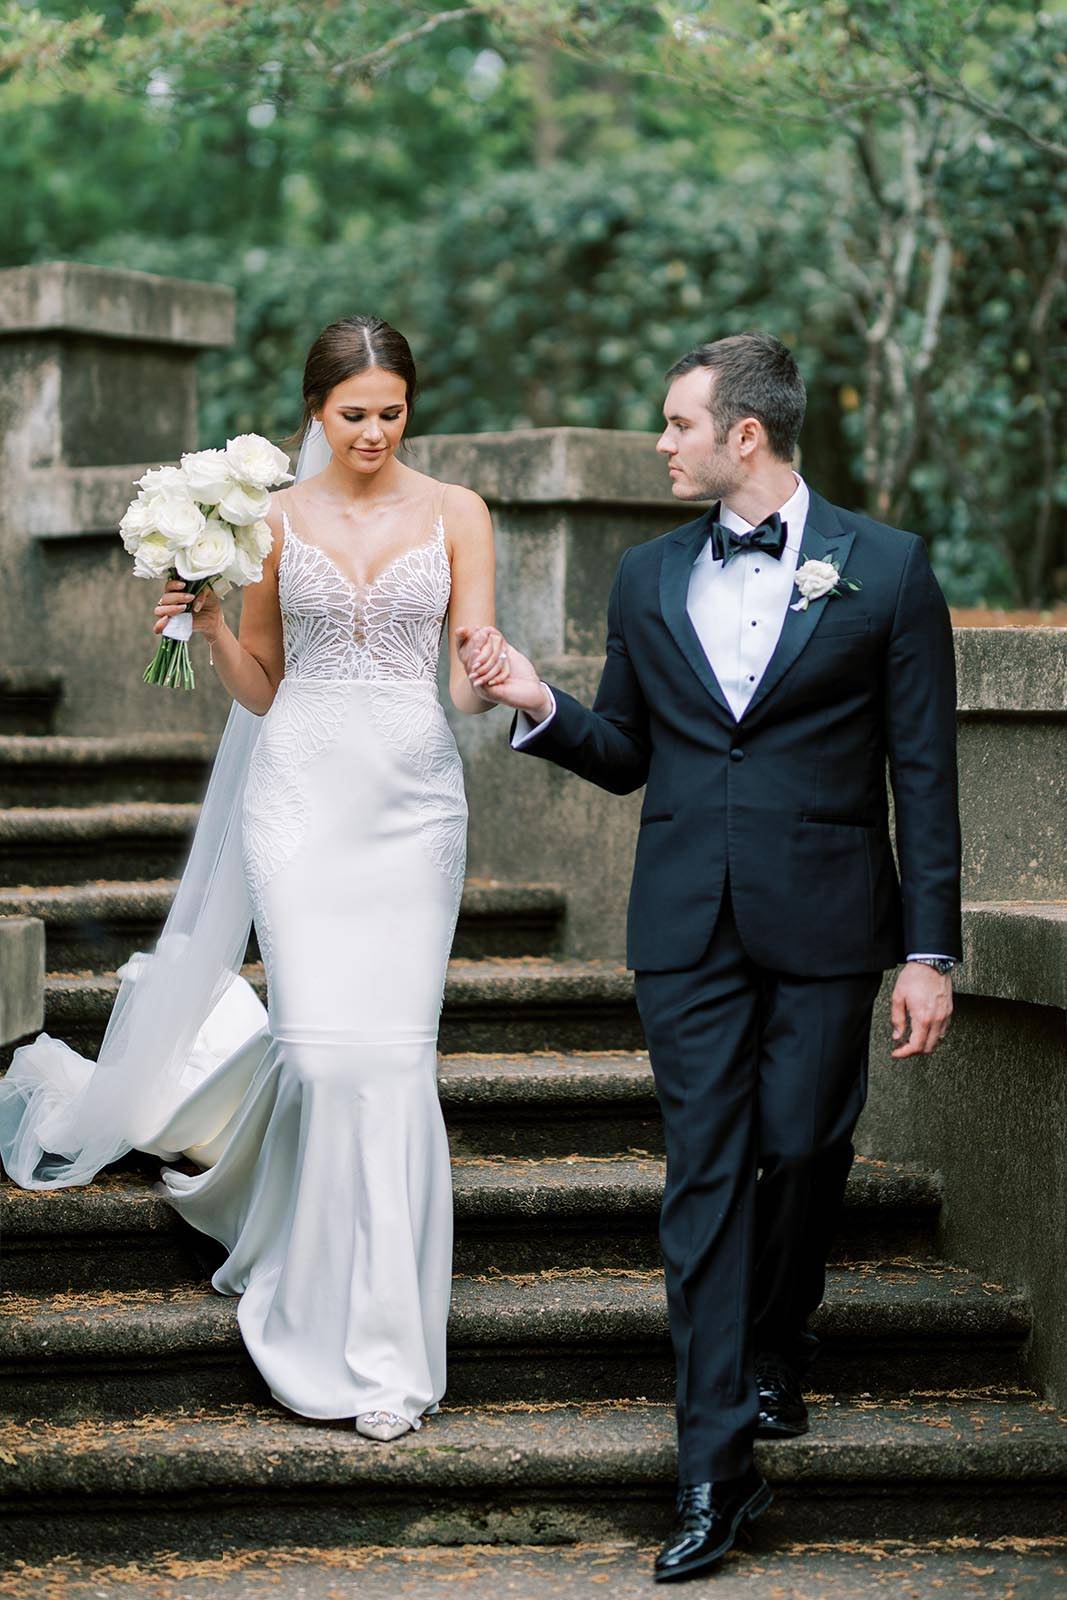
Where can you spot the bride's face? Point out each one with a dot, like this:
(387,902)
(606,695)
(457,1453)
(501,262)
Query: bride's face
(364,419)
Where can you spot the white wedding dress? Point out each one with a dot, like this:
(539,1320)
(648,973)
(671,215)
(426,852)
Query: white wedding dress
(316,1125)
(328,1175)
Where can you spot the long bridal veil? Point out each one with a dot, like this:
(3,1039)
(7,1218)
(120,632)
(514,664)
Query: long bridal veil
(178,1010)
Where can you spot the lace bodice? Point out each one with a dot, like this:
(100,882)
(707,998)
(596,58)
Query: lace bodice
(390,630)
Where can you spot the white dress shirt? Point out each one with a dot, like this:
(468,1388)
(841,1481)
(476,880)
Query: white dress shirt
(737,610)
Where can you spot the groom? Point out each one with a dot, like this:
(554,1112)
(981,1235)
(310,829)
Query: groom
(763,662)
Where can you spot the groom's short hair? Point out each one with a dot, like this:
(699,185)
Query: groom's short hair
(755,375)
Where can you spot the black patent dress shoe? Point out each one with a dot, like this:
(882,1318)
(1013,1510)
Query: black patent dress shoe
(782,1412)
(710,1517)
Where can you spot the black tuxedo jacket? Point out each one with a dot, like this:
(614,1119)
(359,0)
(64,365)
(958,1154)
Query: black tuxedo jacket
(792,798)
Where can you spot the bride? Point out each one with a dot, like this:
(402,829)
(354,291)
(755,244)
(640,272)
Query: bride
(335,816)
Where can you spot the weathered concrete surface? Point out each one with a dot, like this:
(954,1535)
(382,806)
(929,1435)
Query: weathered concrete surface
(49,770)
(112,303)
(97,380)
(866,1301)
(67,844)
(96,925)
(1013,798)
(987,1113)
(515,1214)
(551,466)
(81,502)
(865,1569)
(28,700)
(494,1005)
(1012,670)
(491,1474)
(626,1190)
(21,976)
(1015,950)
(535,1337)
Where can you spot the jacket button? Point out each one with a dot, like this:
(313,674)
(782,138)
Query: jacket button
(737,754)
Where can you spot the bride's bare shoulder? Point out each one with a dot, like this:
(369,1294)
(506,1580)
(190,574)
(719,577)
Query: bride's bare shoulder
(464,511)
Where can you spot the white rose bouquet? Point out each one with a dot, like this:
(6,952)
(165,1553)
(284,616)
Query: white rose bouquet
(203,522)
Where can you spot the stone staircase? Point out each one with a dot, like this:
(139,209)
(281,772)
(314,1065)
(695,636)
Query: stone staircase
(130,1420)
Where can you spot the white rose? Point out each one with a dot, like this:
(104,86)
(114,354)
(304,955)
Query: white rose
(206,475)
(154,557)
(256,461)
(256,538)
(209,554)
(178,518)
(245,568)
(159,479)
(814,579)
(241,505)
(137,521)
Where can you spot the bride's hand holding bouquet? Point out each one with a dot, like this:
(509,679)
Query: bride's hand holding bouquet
(201,526)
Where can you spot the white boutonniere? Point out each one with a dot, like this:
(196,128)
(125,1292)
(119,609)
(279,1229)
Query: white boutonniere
(818,578)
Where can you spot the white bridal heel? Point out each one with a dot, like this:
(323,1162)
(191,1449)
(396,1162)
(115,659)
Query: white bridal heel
(383,1425)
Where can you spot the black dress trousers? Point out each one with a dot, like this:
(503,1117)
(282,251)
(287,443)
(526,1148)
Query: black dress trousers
(756,1071)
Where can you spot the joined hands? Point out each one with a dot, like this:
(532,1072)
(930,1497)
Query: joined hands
(499,673)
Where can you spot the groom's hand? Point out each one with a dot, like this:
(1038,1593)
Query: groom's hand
(922,996)
(500,673)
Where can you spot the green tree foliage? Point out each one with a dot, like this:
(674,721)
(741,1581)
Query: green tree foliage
(554,199)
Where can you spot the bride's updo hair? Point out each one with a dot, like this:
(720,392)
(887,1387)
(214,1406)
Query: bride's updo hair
(355,344)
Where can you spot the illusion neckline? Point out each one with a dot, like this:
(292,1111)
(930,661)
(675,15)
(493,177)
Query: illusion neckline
(436,534)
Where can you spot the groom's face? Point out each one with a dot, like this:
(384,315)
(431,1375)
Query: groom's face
(701,464)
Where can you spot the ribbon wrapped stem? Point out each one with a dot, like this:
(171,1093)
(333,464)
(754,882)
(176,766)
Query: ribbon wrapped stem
(171,667)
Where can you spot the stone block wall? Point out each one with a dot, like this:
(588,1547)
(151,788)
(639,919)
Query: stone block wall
(97,382)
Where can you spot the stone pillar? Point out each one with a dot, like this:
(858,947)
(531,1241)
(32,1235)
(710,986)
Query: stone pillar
(21,977)
(566,502)
(97,382)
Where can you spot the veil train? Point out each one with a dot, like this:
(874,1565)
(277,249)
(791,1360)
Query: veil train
(180,1012)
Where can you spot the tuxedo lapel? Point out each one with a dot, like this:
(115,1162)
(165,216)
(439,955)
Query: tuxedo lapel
(679,553)
(825,538)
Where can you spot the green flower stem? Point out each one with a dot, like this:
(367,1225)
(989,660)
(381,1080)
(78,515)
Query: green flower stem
(171,667)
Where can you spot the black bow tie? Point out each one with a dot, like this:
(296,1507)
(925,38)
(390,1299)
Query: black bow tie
(768,537)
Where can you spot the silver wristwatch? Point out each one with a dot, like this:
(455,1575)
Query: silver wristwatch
(942,964)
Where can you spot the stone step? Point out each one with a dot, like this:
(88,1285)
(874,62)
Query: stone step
(546,1105)
(28,699)
(95,926)
(501,1004)
(536,1337)
(512,1215)
(70,770)
(936,1466)
(140,839)
(763,1568)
